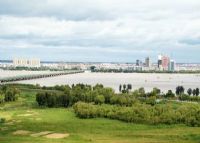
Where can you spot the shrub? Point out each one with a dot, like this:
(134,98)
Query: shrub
(11,94)
(99,99)
(41,99)
(2,120)
(1,99)
(169,94)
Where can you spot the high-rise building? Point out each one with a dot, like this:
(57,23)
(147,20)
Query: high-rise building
(19,62)
(159,61)
(147,62)
(171,66)
(138,63)
(165,62)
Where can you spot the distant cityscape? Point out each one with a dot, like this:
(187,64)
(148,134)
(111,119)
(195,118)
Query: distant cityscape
(163,63)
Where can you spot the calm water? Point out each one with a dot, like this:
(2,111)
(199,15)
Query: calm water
(146,80)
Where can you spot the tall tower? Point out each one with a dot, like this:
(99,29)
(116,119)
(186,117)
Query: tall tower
(159,61)
(171,66)
(165,62)
(147,62)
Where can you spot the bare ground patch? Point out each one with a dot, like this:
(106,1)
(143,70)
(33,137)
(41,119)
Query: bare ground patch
(57,135)
(41,133)
(21,132)
(4,128)
(9,123)
(28,113)
(38,119)
(25,115)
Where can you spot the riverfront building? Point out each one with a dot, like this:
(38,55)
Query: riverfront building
(171,66)
(163,62)
(147,62)
(20,62)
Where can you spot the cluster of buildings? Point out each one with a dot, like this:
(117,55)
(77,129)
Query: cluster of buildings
(164,63)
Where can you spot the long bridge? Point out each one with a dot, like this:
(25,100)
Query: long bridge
(37,76)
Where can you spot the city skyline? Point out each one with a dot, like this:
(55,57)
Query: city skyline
(100,31)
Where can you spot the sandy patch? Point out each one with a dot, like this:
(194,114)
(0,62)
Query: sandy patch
(56,136)
(40,134)
(9,123)
(31,112)
(24,115)
(38,119)
(3,128)
(18,121)
(21,132)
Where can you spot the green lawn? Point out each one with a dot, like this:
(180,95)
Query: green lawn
(25,115)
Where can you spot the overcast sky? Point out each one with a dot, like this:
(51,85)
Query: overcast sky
(100,30)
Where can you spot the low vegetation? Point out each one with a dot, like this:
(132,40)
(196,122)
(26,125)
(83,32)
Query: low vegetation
(188,114)
(26,121)
(137,107)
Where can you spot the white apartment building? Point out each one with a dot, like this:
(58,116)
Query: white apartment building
(20,62)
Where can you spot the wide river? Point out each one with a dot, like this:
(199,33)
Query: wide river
(146,80)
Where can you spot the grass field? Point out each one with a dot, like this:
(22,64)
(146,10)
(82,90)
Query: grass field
(25,116)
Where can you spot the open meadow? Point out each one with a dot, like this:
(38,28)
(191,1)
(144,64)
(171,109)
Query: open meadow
(27,123)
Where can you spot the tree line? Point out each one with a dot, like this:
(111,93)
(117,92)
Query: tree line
(99,94)
(188,114)
(103,70)
(73,94)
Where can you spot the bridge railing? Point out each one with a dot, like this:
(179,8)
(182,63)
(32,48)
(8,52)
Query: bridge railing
(36,76)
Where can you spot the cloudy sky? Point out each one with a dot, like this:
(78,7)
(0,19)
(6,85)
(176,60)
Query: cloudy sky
(100,30)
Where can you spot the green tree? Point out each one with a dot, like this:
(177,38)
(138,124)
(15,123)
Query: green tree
(169,94)
(120,88)
(141,91)
(194,92)
(99,99)
(197,91)
(41,99)
(156,91)
(189,91)
(51,100)
(11,94)
(179,90)
(129,87)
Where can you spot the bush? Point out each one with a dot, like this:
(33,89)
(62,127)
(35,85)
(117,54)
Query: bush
(151,100)
(99,99)
(41,99)
(11,94)
(169,94)
(1,99)
(2,120)
(84,110)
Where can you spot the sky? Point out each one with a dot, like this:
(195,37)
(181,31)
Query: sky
(100,30)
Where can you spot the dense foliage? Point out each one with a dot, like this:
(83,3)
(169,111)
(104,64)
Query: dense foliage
(138,106)
(67,96)
(8,93)
(71,95)
(142,113)
(2,120)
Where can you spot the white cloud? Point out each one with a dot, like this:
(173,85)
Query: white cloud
(122,26)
